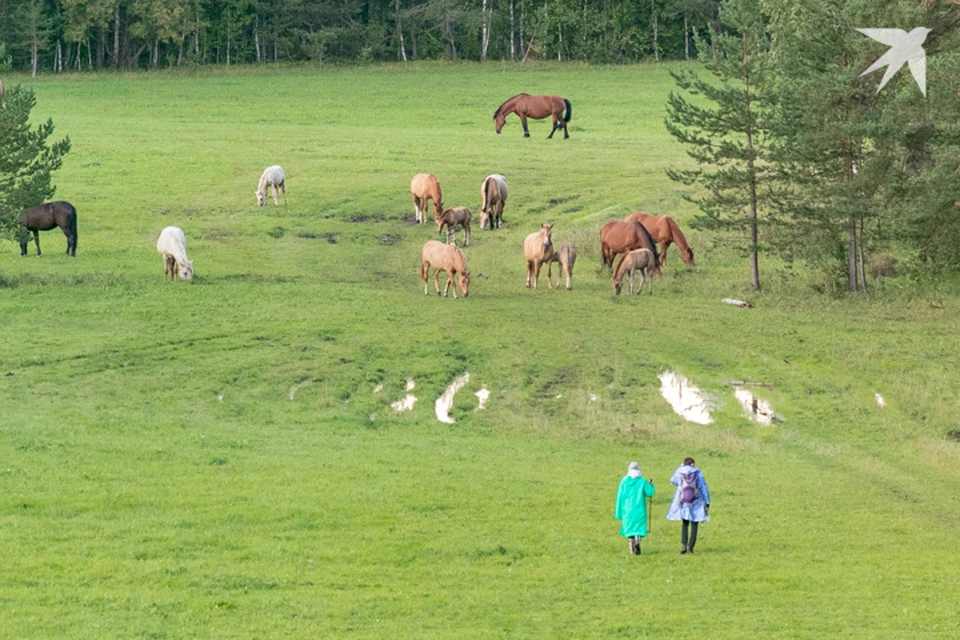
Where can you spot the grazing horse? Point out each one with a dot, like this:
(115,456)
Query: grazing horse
(444,257)
(424,187)
(536,107)
(275,178)
(450,219)
(172,246)
(618,237)
(664,229)
(641,260)
(45,217)
(493,191)
(538,249)
(566,257)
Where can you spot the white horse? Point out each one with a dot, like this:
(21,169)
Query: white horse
(274,178)
(172,245)
(493,191)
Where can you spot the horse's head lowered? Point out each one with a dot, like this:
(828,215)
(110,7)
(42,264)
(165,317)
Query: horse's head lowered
(261,197)
(499,119)
(464,282)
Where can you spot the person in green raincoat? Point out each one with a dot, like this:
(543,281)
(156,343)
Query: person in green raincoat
(631,507)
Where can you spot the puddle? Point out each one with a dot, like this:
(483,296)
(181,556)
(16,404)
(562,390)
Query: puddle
(482,396)
(758,409)
(445,402)
(405,404)
(686,399)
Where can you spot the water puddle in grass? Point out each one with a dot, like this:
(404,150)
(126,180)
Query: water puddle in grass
(758,410)
(406,403)
(686,399)
(445,402)
(482,396)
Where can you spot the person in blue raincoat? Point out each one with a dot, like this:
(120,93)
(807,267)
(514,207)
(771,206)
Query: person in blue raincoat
(691,502)
(631,507)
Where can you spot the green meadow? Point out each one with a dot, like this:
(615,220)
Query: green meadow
(213,458)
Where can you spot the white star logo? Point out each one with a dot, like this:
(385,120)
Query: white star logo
(904,48)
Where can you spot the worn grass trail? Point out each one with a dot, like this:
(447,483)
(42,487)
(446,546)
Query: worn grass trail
(210,459)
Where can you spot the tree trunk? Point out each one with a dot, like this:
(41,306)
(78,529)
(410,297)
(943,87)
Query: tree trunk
(413,40)
(860,258)
(485,37)
(513,38)
(156,52)
(256,38)
(403,50)
(116,37)
(656,29)
(686,38)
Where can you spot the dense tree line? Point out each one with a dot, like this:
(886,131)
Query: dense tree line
(811,159)
(64,35)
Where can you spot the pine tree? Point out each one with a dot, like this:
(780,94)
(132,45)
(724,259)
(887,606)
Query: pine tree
(26,160)
(725,126)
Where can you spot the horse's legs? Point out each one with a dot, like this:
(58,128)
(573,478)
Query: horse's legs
(523,121)
(631,280)
(663,252)
(565,133)
(436,280)
(529,273)
(556,125)
(466,233)
(566,271)
(283,188)
(36,238)
(650,278)
(550,275)
(449,284)
(536,272)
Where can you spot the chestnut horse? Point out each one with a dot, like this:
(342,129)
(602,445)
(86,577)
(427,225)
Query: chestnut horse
(637,260)
(664,229)
(450,218)
(618,237)
(444,257)
(45,217)
(536,107)
(424,187)
(493,191)
(537,249)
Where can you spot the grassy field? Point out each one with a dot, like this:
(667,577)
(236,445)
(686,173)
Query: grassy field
(210,459)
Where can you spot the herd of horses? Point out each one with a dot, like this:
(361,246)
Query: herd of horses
(635,238)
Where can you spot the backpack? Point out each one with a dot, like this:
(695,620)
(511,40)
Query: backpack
(689,491)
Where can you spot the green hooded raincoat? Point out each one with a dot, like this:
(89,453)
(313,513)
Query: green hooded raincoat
(632,506)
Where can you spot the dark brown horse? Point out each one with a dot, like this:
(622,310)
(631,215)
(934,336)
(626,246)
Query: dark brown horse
(45,217)
(664,229)
(618,237)
(536,107)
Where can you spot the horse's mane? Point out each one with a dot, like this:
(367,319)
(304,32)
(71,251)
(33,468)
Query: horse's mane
(678,237)
(653,245)
(500,108)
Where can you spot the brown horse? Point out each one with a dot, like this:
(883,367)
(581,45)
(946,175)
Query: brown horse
(641,260)
(45,217)
(664,229)
(566,256)
(424,187)
(444,257)
(536,107)
(618,237)
(538,249)
(493,191)
(450,218)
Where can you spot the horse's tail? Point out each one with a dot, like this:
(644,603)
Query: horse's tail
(486,194)
(569,113)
